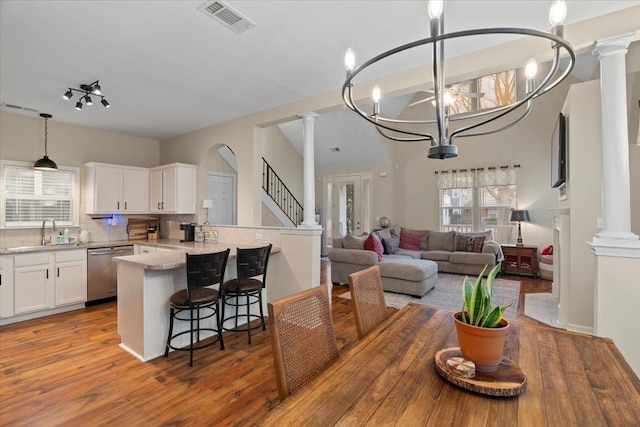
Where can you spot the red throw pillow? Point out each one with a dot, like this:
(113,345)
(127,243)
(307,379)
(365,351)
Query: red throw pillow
(548,250)
(410,241)
(373,243)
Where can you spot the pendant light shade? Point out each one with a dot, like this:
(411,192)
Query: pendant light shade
(45,163)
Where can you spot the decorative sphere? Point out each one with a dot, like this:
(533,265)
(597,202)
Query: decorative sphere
(384,222)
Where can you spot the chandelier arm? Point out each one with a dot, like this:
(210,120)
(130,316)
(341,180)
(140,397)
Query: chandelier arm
(348,100)
(489,132)
(426,137)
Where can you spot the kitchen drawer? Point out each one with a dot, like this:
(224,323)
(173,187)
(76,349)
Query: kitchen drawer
(71,255)
(31,259)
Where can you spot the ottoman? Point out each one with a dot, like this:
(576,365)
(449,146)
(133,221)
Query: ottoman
(413,277)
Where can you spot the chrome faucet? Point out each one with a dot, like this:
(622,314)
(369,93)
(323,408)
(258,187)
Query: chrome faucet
(45,241)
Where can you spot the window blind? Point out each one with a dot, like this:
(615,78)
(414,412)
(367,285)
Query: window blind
(30,196)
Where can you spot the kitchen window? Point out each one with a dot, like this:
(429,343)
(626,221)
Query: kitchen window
(30,196)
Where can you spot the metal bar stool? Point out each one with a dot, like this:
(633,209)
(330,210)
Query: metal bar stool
(251,263)
(203,270)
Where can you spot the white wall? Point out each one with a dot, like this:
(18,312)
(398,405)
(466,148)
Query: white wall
(22,138)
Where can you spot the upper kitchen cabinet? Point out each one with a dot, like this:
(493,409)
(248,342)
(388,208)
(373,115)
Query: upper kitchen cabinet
(173,189)
(116,189)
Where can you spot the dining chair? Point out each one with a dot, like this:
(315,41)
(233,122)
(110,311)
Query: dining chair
(246,289)
(369,306)
(203,271)
(302,338)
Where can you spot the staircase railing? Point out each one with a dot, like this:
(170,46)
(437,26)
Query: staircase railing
(278,191)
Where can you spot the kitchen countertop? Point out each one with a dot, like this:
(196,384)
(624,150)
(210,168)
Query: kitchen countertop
(176,258)
(167,243)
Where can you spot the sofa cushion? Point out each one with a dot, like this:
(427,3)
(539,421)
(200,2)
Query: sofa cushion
(472,258)
(353,242)
(441,241)
(436,255)
(408,269)
(413,240)
(408,253)
(373,243)
(469,244)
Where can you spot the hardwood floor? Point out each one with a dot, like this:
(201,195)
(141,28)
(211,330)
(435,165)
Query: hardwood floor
(68,370)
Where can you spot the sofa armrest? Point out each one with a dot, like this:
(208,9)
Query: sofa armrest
(353,256)
(495,249)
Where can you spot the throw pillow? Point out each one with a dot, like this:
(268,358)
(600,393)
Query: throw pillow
(410,239)
(353,242)
(470,244)
(390,245)
(373,243)
(383,234)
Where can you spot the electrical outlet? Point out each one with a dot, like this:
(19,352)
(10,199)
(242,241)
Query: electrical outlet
(258,236)
(599,223)
(267,240)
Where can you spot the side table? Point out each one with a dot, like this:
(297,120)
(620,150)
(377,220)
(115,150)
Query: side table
(520,260)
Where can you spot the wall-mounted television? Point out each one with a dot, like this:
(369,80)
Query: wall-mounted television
(559,153)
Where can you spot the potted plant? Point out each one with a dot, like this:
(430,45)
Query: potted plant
(480,326)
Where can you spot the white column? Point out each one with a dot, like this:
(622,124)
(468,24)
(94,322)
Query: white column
(616,193)
(309,200)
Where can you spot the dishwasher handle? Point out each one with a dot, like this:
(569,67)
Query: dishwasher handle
(110,252)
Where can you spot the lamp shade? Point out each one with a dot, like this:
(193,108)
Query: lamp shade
(45,163)
(519,215)
(207,203)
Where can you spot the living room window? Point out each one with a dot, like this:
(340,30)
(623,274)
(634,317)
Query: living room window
(498,89)
(29,196)
(479,200)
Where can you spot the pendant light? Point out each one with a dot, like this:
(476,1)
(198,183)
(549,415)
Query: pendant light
(45,163)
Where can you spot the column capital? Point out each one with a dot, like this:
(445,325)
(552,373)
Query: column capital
(613,45)
(309,115)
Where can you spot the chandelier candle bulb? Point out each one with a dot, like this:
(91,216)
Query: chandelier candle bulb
(349,60)
(434,8)
(557,13)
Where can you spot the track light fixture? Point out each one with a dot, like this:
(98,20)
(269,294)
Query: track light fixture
(86,90)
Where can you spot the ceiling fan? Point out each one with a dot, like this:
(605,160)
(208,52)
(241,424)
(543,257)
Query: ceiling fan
(454,92)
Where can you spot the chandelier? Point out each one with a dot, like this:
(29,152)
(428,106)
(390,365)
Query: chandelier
(442,143)
(85,94)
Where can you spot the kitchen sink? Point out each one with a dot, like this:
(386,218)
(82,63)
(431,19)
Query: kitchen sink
(25,248)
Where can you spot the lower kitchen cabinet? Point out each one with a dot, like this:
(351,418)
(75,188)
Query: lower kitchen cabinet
(42,283)
(32,282)
(71,277)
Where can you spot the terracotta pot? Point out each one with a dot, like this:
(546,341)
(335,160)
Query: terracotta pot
(483,346)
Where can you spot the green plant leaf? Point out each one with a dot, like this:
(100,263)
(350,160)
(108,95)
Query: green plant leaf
(467,289)
(492,275)
(475,305)
(493,318)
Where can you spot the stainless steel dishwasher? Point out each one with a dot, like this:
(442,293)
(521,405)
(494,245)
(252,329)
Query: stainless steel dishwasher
(102,277)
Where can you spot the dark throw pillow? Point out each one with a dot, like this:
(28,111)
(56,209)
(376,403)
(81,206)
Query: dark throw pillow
(390,245)
(470,244)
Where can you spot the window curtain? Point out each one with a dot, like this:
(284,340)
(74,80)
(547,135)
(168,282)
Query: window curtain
(455,179)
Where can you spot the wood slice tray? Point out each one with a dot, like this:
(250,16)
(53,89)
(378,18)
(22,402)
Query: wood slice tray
(507,380)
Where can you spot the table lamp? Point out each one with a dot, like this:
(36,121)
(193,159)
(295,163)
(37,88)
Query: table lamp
(208,204)
(519,216)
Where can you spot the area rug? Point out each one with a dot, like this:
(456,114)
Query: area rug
(447,294)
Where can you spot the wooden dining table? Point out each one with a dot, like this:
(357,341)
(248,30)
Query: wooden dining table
(389,378)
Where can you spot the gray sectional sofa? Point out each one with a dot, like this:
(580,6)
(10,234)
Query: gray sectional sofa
(412,268)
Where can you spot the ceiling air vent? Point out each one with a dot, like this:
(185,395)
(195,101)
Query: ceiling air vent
(227,16)
(7,106)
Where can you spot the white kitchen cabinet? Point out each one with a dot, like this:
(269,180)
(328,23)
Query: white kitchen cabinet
(6,286)
(71,277)
(142,249)
(116,189)
(172,189)
(32,282)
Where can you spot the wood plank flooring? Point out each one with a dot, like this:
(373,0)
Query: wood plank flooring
(68,370)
